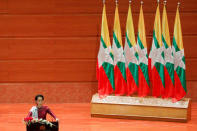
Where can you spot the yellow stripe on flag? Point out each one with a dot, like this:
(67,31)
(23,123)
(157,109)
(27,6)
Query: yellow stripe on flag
(141,28)
(165,28)
(117,29)
(157,27)
(104,29)
(129,28)
(178,31)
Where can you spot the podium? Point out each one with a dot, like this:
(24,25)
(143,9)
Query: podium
(42,127)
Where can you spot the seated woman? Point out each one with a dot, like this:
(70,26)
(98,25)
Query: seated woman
(39,111)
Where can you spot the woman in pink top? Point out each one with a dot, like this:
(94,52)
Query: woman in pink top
(39,111)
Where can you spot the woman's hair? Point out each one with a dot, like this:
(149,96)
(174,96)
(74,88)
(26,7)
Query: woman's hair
(36,97)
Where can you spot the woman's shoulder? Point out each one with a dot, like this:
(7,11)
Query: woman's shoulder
(33,108)
(45,106)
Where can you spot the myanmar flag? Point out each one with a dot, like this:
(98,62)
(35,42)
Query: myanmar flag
(169,59)
(119,58)
(131,56)
(179,60)
(105,68)
(143,88)
(157,59)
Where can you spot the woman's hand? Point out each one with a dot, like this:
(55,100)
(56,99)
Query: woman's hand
(57,119)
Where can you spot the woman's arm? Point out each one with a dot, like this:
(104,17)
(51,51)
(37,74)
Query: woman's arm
(29,114)
(51,113)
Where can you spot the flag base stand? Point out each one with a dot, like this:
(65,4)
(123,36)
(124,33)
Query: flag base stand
(147,108)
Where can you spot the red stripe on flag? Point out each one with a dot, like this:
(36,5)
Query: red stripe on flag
(179,91)
(169,87)
(104,85)
(120,83)
(157,86)
(131,85)
(143,88)
(149,69)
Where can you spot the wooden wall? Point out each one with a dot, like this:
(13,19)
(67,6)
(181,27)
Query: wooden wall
(50,46)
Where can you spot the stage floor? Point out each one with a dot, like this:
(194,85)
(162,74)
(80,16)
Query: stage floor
(76,117)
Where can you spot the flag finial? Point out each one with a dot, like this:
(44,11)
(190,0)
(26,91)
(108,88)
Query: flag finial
(103,1)
(165,1)
(130,1)
(158,1)
(116,2)
(142,2)
(178,4)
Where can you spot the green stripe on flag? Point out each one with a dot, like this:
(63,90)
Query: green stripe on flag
(112,56)
(103,42)
(164,41)
(163,55)
(181,74)
(109,70)
(183,59)
(175,45)
(128,41)
(136,55)
(122,69)
(160,70)
(144,69)
(104,45)
(139,42)
(146,55)
(170,69)
(116,40)
(134,71)
(155,40)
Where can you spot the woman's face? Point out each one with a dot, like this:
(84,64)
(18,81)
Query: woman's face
(39,101)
